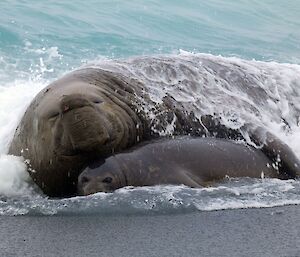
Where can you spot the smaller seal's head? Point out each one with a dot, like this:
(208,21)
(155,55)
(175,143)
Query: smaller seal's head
(104,178)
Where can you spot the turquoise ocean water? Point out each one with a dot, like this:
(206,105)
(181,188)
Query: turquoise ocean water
(41,40)
(79,31)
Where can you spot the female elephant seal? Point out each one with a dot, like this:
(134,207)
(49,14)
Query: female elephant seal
(92,113)
(193,162)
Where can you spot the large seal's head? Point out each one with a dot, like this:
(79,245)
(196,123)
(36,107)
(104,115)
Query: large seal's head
(80,117)
(104,178)
(74,120)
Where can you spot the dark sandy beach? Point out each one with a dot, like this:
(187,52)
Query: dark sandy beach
(244,232)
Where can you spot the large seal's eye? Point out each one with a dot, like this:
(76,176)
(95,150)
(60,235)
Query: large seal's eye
(97,101)
(53,115)
(107,180)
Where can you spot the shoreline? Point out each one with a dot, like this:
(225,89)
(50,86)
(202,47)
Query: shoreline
(243,232)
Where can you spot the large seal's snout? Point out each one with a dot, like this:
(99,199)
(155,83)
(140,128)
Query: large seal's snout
(71,102)
(84,128)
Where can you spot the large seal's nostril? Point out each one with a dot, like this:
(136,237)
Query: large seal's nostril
(71,102)
(66,108)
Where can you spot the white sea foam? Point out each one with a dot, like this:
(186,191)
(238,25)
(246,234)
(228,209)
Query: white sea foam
(240,91)
(14,98)
(14,179)
(233,194)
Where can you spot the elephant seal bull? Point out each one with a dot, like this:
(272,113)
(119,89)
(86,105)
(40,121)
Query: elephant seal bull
(193,162)
(92,113)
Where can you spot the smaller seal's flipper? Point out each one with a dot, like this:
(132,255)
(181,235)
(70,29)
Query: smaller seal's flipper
(277,151)
(189,179)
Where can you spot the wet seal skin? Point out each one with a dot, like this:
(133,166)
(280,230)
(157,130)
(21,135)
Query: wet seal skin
(93,113)
(194,162)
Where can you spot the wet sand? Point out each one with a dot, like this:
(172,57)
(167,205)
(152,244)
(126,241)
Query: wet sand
(248,232)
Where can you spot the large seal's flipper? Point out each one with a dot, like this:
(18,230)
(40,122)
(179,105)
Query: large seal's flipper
(279,152)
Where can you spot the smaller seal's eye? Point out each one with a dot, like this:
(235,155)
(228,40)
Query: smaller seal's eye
(107,180)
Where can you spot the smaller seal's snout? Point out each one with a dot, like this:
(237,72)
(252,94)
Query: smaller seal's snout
(93,181)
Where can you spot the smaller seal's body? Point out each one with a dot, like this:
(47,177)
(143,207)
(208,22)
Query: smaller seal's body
(193,162)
